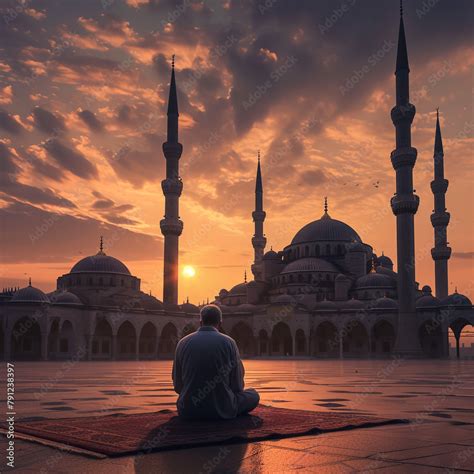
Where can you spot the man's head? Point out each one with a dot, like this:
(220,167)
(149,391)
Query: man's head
(211,315)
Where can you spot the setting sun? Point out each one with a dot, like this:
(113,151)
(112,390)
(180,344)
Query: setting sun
(189,271)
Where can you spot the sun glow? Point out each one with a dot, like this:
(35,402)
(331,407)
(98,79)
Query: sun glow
(189,271)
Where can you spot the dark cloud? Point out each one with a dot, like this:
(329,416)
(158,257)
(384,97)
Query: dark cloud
(101,204)
(90,119)
(34,235)
(9,123)
(70,159)
(463,255)
(312,177)
(48,122)
(10,185)
(85,62)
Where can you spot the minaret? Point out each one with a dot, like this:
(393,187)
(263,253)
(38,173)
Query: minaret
(405,203)
(171,226)
(440,218)
(258,240)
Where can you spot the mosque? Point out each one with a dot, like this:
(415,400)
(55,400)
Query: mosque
(325,295)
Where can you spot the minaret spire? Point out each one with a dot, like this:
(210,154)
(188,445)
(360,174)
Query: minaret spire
(258,240)
(440,217)
(171,226)
(405,203)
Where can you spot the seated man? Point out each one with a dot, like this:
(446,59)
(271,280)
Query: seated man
(208,374)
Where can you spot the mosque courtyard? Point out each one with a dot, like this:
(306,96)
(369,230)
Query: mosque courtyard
(436,396)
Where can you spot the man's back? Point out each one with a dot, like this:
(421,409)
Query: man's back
(207,373)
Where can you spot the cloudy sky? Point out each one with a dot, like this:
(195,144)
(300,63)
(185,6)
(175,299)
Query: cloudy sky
(83,92)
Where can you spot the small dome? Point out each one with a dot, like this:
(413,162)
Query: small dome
(223,292)
(427,301)
(240,289)
(30,294)
(385,303)
(100,263)
(384,261)
(149,302)
(375,280)
(271,255)
(342,277)
(189,308)
(326,305)
(65,297)
(386,271)
(310,264)
(426,290)
(352,304)
(326,229)
(456,299)
(284,298)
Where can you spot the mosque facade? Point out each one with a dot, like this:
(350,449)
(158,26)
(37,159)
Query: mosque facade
(326,294)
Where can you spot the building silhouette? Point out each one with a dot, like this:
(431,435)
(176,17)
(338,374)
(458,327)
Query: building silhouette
(326,294)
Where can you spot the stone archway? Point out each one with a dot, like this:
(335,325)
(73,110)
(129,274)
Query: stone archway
(355,341)
(188,329)
(66,342)
(102,340)
(430,336)
(325,340)
(300,343)
(243,336)
(281,343)
(168,340)
(126,341)
(26,340)
(458,327)
(263,343)
(147,345)
(383,338)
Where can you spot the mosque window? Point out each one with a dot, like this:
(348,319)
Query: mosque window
(121,282)
(339,249)
(291,278)
(63,345)
(306,251)
(112,282)
(317,251)
(78,281)
(300,277)
(297,252)
(328,249)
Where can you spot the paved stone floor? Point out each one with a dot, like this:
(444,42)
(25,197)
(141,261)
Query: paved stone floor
(437,396)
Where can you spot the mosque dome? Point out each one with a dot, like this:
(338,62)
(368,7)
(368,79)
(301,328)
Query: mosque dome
(384,261)
(355,246)
(326,229)
(310,264)
(385,303)
(456,299)
(189,308)
(66,297)
(427,300)
(374,280)
(271,255)
(352,304)
(245,307)
(239,289)
(342,277)
(100,263)
(30,294)
(386,271)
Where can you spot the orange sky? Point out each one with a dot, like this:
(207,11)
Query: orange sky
(71,176)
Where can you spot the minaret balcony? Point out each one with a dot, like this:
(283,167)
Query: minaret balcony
(405,204)
(258,216)
(259,242)
(440,219)
(172,150)
(441,253)
(171,226)
(403,157)
(439,185)
(172,186)
(403,114)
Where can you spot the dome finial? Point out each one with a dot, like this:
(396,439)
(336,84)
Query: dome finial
(456,289)
(101,245)
(401,7)
(325,204)
(245,276)
(258,155)
(29,281)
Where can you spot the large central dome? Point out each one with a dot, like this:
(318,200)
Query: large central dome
(100,263)
(326,229)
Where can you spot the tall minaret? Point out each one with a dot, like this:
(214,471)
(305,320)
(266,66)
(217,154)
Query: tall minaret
(258,240)
(171,226)
(405,203)
(440,218)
